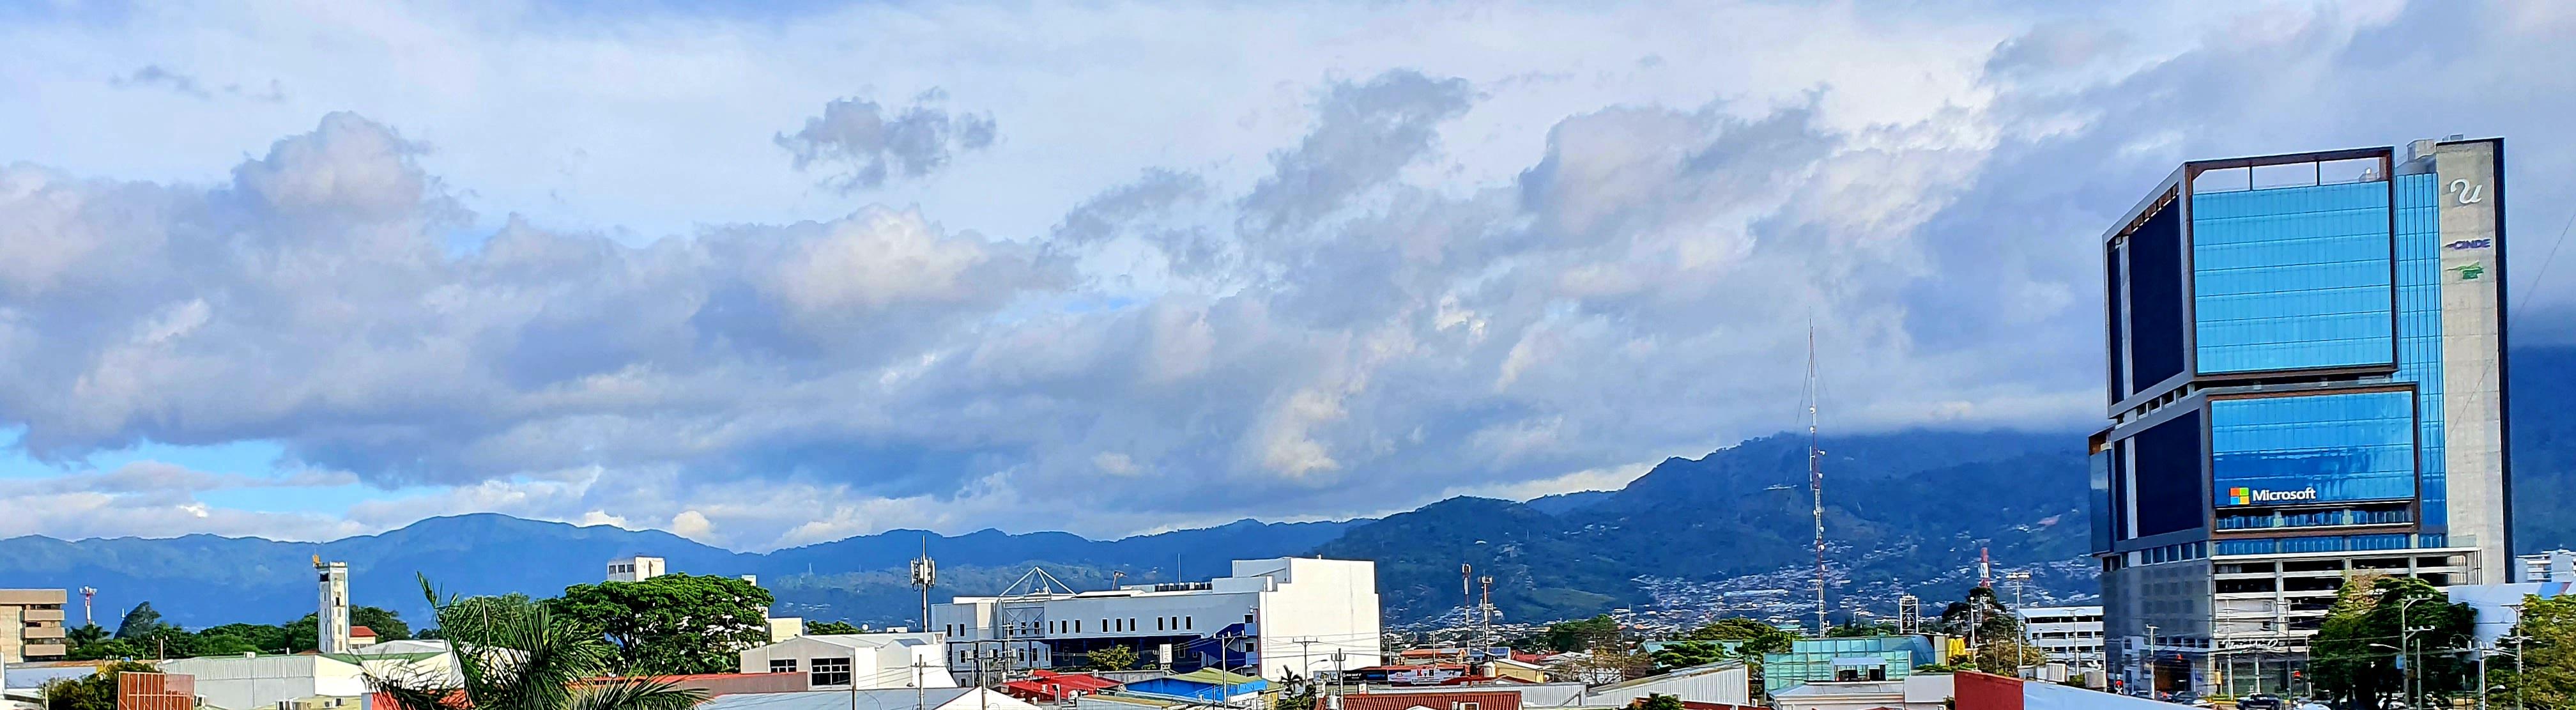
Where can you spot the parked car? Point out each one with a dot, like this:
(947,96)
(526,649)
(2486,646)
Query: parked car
(2261,701)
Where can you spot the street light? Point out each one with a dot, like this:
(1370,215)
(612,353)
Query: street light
(2406,638)
(2021,622)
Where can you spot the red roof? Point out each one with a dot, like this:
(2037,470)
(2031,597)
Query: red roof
(1046,685)
(1484,700)
(361,631)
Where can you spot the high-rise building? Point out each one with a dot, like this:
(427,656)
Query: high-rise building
(31,624)
(2306,358)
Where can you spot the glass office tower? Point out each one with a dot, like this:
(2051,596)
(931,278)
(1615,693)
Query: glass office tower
(2305,367)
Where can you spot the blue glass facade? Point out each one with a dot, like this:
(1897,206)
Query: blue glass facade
(2314,448)
(2419,330)
(2292,278)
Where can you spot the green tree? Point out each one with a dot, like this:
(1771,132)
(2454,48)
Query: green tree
(1581,635)
(1684,654)
(550,663)
(826,628)
(1754,638)
(84,634)
(1862,629)
(1659,701)
(138,621)
(264,638)
(1300,694)
(108,649)
(1113,658)
(2548,635)
(97,691)
(484,609)
(305,634)
(2354,654)
(672,624)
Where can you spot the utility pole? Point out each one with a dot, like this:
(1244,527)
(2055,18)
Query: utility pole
(2151,660)
(1466,593)
(2021,622)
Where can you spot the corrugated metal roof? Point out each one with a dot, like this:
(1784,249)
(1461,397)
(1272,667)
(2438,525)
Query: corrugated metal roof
(873,699)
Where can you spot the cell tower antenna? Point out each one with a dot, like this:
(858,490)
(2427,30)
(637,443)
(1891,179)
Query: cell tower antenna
(1816,477)
(87,593)
(925,574)
(1985,569)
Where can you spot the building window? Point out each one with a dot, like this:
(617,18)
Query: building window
(1158,623)
(1189,622)
(782,665)
(831,671)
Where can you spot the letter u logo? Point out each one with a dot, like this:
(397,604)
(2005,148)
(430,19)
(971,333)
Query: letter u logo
(2468,194)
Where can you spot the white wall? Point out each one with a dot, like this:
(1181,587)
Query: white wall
(239,683)
(1333,603)
(876,660)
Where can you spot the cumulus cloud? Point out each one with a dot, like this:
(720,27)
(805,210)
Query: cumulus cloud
(1433,284)
(864,144)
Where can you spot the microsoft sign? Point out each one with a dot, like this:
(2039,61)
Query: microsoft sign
(2250,496)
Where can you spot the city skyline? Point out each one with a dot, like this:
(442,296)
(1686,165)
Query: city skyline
(764,280)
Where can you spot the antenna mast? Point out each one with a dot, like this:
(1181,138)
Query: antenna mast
(1816,478)
(925,574)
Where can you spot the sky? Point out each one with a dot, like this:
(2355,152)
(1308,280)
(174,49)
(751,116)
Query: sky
(765,275)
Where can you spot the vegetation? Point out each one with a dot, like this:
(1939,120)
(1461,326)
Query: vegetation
(143,635)
(1300,694)
(1875,628)
(1758,638)
(95,692)
(1659,701)
(1113,658)
(1684,654)
(2548,646)
(672,624)
(2354,657)
(827,628)
(1580,635)
(528,658)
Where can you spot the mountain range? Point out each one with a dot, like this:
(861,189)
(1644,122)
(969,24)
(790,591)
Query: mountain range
(1907,511)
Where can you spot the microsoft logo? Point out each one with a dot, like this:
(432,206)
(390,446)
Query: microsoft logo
(2250,496)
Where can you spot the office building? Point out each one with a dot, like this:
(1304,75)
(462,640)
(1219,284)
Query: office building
(857,661)
(634,569)
(2305,367)
(2068,634)
(31,625)
(1288,615)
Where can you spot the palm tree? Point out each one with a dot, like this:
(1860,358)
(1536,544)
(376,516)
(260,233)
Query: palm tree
(512,654)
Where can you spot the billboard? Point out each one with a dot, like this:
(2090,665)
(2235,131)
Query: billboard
(2314,448)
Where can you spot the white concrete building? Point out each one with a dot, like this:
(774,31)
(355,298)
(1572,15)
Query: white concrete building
(1289,614)
(332,617)
(861,661)
(2551,566)
(258,682)
(2068,634)
(880,699)
(634,569)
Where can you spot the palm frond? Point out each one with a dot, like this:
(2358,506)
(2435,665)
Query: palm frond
(636,694)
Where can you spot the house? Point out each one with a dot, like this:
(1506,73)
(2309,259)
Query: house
(1452,700)
(861,661)
(1915,692)
(1721,682)
(361,637)
(1516,669)
(1207,684)
(1410,674)
(1045,686)
(950,698)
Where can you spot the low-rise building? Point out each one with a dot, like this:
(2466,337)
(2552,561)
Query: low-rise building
(31,625)
(261,682)
(717,685)
(635,569)
(2551,566)
(861,661)
(1207,684)
(1727,682)
(885,698)
(1446,700)
(1268,617)
(1849,659)
(1914,692)
(2068,634)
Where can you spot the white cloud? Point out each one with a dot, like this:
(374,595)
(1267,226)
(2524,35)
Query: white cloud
(1214,272)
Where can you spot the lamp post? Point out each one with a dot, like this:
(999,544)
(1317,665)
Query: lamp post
(2021,622)
(2151,660)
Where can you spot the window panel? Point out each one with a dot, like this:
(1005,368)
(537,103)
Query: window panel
(2292,278)
(2316,448)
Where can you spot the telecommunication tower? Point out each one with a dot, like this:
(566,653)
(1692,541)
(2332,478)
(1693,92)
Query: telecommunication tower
(925,574)
(1909,614)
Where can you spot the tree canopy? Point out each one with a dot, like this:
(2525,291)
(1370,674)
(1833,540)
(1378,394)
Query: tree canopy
(553,663)
(97,691)
(825,628)
(2548,645)
(671,624)
(1758,637)
(1582,634)
(2354,656)
(1684,654)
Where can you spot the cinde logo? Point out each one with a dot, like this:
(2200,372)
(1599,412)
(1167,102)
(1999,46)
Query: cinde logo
(2250,496)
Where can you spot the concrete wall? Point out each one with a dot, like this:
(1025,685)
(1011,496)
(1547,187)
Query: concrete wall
(2471,199)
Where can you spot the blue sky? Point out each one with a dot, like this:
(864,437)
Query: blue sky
(770,277)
